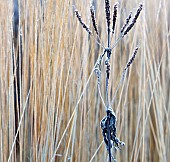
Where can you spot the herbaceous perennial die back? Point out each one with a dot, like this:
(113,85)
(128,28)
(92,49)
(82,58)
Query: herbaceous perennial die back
(108,123)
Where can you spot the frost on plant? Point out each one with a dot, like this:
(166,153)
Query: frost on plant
(108,123)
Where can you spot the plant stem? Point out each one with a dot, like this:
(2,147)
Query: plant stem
(108,136)
(107,96)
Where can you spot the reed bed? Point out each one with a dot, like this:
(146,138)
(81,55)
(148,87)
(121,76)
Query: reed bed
(60,106)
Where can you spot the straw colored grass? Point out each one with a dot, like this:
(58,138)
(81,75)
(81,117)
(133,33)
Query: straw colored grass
(61,109)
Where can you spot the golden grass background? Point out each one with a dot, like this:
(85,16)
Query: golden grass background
(62,112)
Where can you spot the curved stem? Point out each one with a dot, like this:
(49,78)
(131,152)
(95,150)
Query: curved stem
(98,42)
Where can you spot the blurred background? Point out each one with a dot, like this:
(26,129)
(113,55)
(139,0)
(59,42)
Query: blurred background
(50,107)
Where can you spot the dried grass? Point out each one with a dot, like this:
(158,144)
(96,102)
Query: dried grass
(62,114)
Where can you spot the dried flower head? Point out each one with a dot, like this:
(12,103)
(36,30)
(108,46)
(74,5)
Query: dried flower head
(134,19)
(126,23)
(81,22)
(114,16)
(107,10)
(92,11)
(132,58)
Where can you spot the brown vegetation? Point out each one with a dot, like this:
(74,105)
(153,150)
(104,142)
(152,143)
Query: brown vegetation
(60,106)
